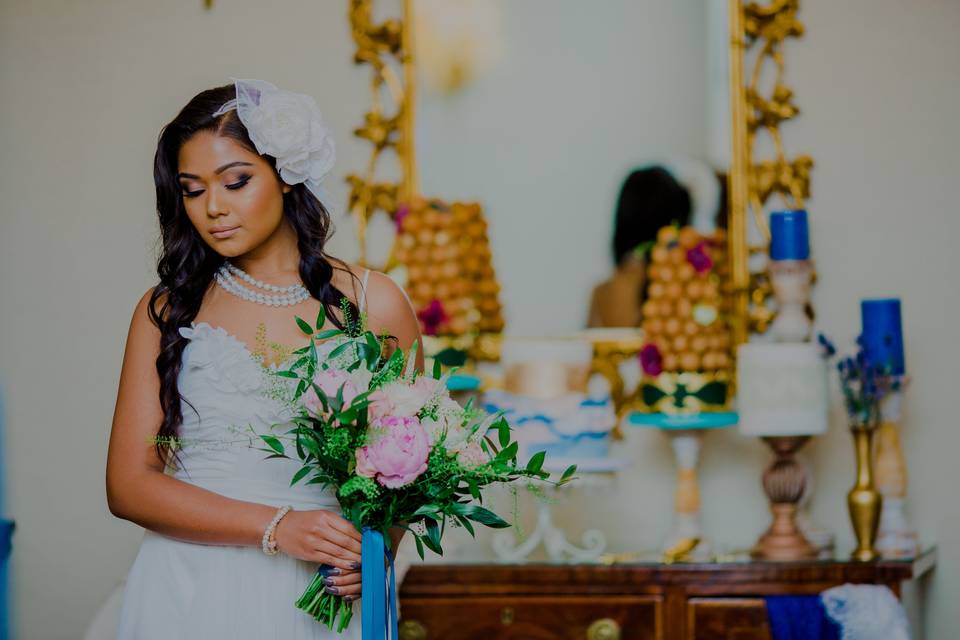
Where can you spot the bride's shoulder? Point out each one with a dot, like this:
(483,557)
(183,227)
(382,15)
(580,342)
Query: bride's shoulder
(149,306)
(387,305)
(143,336)
(379,290)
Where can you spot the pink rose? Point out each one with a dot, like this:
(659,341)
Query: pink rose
(398,452)
(330,382)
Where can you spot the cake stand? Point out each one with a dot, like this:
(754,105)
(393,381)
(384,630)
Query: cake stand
(592,474)
(686,539)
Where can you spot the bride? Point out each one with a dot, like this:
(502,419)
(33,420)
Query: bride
(229,545)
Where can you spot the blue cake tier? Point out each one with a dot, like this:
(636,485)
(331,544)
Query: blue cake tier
(706,420)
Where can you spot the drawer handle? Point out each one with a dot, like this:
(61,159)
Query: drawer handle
(507,615)
(604,629)
(412,630)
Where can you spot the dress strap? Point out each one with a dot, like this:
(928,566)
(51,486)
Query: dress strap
(363,291)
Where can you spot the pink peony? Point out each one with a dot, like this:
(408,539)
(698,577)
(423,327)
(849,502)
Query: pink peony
(397,454)
(330,381)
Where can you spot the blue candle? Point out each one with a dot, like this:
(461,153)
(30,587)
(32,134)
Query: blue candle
(789,235)
(883,333)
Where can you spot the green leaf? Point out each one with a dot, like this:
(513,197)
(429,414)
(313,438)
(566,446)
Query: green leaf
(329,333)
(429,510)
(373,350)
(504,430)
(471,488)
(340,350)
(465,523)
(321,316)
(536,462)
(487,517)
(432,539)
(287,374)
(300,475)
(509,452)
(572,469)
(437,369)
(273,443)
(419,546)
(304,325)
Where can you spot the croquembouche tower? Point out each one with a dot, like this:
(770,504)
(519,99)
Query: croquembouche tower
(445,251)
(686,362)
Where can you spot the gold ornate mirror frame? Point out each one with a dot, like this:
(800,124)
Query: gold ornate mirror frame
(760,31)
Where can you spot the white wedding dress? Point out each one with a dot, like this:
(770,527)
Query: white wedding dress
(190,591)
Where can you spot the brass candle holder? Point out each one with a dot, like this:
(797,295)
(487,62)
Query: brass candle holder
(864,500)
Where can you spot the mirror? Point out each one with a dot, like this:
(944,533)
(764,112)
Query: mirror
(541,110)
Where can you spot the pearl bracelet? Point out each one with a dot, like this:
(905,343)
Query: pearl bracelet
(268,544)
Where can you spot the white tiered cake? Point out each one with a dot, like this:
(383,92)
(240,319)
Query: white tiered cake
(552,401)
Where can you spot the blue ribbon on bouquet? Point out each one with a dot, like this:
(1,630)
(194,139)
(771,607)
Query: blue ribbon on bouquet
(378,600)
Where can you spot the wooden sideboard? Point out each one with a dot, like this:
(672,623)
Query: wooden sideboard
(622,602)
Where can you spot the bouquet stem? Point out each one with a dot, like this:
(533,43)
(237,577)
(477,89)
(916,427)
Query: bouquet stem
(323,606)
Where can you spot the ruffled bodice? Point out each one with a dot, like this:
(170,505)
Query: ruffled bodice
(229,399)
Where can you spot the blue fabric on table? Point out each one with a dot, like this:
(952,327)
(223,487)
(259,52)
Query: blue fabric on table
(800,618)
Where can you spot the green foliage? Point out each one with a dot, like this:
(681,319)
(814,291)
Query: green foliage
(447,492)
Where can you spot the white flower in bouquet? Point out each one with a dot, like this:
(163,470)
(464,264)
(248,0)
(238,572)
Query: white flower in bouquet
(400,398)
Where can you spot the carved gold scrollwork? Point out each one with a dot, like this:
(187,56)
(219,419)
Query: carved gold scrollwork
(386,47)
(767,27)
(763,29)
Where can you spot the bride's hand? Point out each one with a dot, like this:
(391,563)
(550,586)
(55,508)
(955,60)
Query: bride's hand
(320,536)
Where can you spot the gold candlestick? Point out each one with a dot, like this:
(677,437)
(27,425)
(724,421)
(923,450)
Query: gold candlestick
(864,501)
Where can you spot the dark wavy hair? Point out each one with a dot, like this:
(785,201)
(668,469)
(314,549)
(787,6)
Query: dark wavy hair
(186,264)
(650,198)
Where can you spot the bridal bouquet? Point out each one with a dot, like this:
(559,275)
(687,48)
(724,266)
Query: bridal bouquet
(398,451)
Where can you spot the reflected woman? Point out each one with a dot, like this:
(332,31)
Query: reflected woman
(650,198)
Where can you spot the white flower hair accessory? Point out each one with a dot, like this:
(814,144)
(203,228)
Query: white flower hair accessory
(287,126)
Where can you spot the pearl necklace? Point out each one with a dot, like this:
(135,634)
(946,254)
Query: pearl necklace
(282,296)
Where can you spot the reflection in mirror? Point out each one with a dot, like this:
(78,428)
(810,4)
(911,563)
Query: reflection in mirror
(580,128)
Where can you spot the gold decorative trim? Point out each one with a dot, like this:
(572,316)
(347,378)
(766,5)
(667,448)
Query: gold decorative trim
(762,28)
(385,46)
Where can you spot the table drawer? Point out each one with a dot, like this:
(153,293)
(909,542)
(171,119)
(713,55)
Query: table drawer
(533,618)
(727,619)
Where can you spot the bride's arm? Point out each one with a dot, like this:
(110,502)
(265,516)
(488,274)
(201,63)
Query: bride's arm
(139,491)
(137,488)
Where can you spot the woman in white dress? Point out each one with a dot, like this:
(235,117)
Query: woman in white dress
(237,174)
